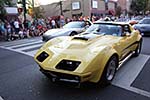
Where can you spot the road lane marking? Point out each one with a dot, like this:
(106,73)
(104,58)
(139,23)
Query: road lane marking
(27,48)
(25,44)
(1,98)
(21,46)
(32,53)
(128,73)
(134,90)
(18,42)
(18,51)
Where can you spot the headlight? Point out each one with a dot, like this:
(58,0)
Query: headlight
(68,65)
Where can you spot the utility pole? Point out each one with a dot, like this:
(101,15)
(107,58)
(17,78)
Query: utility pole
(33,3)
(61,10)
(24,9)
(33,7)
(106,6)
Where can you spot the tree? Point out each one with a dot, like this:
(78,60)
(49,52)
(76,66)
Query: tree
(148,5)
(118,11)
(38,12)
(138,6)
(4,3)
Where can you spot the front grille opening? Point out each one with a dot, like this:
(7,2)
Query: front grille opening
(68,65)
(65,76)
(42,56)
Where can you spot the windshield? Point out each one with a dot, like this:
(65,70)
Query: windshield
(74,25)
(145,21)
(107,29)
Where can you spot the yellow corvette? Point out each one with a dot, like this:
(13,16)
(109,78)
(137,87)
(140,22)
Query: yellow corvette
(92,56)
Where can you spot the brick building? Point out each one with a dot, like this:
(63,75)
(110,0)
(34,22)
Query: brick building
(80,7)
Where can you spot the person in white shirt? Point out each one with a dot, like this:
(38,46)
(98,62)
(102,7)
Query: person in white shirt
(53,23)
(16,24)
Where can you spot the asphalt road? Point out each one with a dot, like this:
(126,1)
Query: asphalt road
(20,78)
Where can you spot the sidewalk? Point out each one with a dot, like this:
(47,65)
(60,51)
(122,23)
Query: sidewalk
(3,40)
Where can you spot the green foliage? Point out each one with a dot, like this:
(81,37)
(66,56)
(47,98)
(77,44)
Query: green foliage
(38,12)
(138,6)
(4,3)
(118,11)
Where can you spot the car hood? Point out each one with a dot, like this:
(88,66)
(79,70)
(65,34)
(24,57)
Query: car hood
(73,47)
(61,31)
(88,41)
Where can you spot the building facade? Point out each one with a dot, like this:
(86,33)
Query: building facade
(80,8)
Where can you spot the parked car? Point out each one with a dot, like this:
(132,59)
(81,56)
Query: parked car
(143,26)
(135,20)
(70,29)
(92,56)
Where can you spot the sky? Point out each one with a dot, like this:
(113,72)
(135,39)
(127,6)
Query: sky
(45,2)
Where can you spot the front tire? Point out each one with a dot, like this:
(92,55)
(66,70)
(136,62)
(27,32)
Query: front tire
(109,71)
(138,49)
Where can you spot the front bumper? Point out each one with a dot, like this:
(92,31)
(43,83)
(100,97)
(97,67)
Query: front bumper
(145,32)
(66,77)
(56,76)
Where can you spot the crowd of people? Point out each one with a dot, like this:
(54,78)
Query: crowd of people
(14,29)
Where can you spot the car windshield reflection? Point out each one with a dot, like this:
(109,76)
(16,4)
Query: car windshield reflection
(107,29)
(74,25)
(145,21)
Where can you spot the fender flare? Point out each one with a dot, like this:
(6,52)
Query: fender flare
(108,54)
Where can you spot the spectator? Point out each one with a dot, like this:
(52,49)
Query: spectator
(26,33)
(16,25)
(53,23)
(62,21)
(8,31)
(2,27)
(21,35)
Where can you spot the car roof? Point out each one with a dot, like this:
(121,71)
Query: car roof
(146,18)
(82,21)
(111,22)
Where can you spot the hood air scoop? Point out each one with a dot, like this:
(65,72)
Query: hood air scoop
(85,37)
(80,38)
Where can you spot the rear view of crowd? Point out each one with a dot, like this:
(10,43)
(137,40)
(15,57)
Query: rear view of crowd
(14,29)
